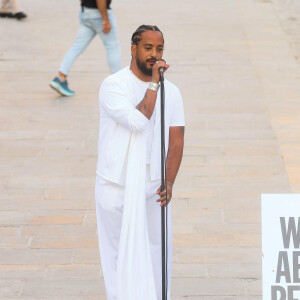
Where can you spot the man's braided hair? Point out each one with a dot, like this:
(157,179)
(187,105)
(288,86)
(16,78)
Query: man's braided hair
(136,37)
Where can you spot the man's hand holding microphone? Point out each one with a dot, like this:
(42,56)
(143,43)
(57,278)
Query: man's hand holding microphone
(158,69)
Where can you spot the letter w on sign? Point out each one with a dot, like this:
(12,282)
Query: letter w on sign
(289,230)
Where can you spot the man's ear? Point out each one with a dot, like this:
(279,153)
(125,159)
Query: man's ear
(133,50)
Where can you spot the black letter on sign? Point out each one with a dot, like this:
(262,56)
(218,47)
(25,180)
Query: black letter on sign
(281,290)
(291,290)
(296,266)
(286,233)
(285,271)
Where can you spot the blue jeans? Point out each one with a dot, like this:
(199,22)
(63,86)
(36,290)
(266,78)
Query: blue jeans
(90,25)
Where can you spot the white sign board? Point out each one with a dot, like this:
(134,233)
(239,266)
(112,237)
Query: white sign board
(281,246)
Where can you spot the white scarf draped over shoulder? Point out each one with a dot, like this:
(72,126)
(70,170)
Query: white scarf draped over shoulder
(135,279)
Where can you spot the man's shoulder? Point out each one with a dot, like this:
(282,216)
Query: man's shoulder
(118,77)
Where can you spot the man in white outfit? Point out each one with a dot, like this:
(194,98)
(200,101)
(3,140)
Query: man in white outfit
(127,192)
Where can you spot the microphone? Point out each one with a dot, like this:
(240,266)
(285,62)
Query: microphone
(161,73)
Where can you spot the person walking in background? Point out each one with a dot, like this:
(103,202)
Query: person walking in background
(11,9)
(96,17)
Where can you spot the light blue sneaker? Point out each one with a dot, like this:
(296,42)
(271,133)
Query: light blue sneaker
(61,87)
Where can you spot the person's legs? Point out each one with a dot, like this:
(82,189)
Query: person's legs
(17,13)
(109,210)
(84,37)
(15,6)
(4,6)
(110,41)
(154,229)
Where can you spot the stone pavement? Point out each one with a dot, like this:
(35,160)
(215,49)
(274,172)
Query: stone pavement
(235,65)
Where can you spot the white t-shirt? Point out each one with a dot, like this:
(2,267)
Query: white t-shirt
(118,97)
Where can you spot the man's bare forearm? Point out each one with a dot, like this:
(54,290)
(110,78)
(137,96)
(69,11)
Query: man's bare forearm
(176,142)
(102,8)
(146,106)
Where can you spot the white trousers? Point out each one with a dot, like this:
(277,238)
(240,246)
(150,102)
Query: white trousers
(109,208)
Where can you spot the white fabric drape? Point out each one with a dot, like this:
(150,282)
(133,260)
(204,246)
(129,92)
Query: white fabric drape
(134,270)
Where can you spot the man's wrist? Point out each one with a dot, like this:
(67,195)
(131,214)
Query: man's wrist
(153,86)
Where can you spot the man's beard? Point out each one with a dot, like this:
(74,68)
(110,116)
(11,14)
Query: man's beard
(143,67)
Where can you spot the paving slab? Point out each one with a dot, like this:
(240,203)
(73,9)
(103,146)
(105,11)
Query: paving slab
(237,66)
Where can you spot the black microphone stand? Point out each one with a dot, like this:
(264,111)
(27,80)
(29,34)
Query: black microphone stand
(164,209)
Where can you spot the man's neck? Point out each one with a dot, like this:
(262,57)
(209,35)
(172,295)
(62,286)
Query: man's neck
(137,72)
